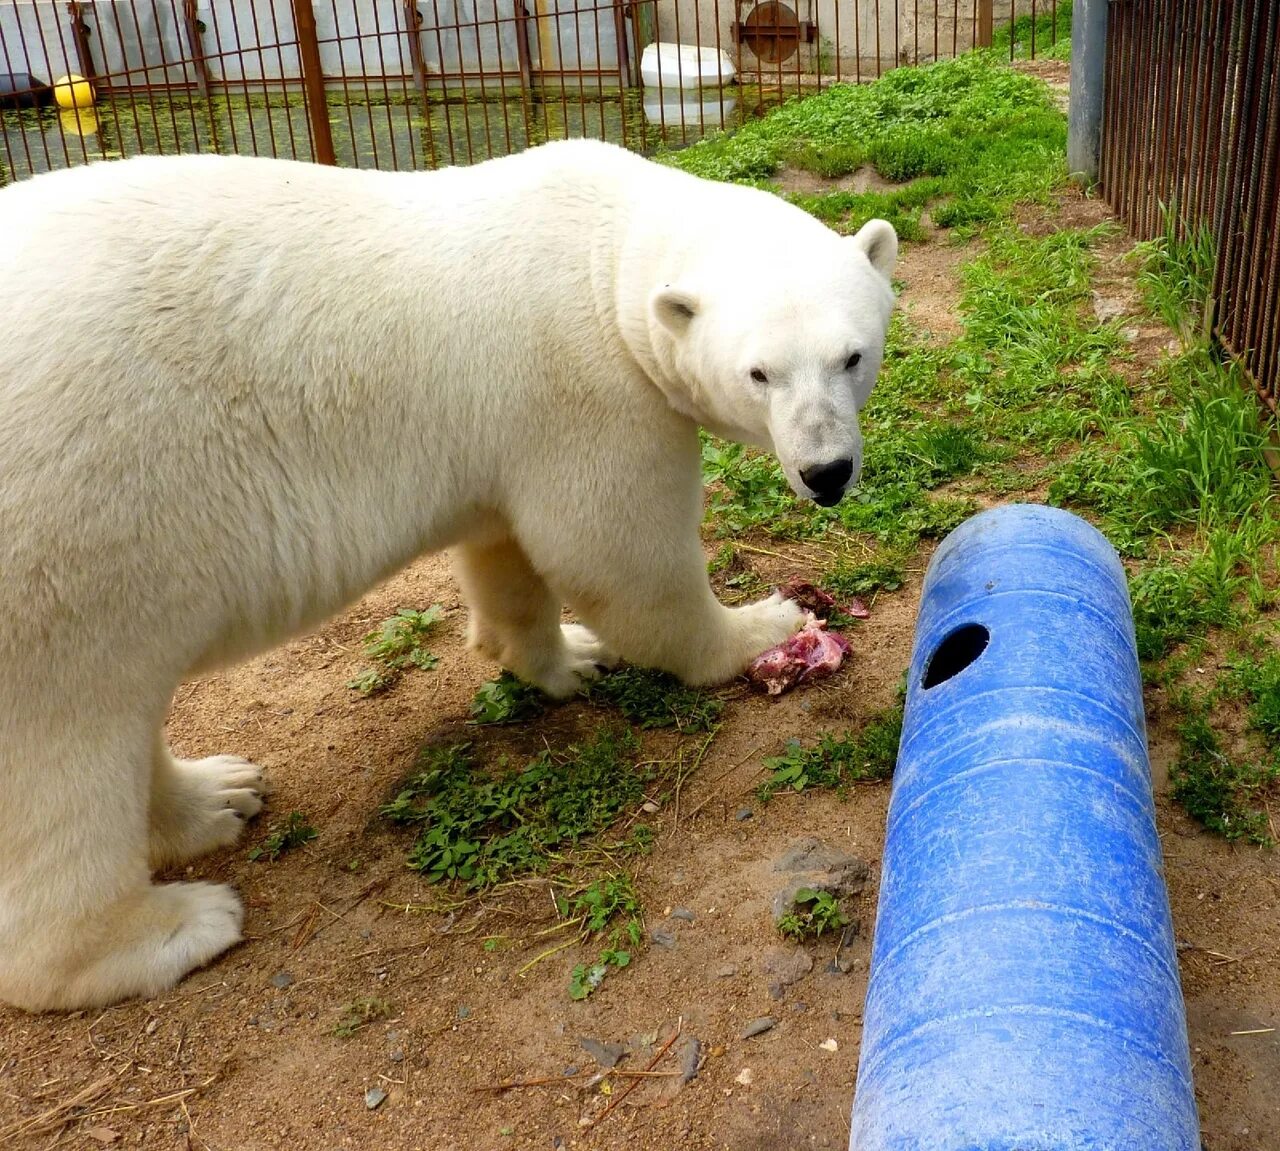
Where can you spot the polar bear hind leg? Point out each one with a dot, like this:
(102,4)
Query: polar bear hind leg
(81,924)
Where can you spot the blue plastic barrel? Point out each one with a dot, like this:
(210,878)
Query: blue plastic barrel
(1024,990)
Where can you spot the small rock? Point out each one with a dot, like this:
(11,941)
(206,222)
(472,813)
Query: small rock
(716,1051)
(463,1011)
(395,1055)
(776,990)
(798,1006)
(374,1098)
(744,1077)
(689,1056)
(683,913)
(1130,335)
(151,1026)
(662,938)
(758,1026)
(282,979)
(812,864)
(744,813)
(728,971)
(393,1036)
(570,1071)
(606,1054)
(649,806)
(1108,308)
(829,1045)
(789,965)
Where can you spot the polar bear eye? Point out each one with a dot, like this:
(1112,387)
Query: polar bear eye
(759,376)
(853,361)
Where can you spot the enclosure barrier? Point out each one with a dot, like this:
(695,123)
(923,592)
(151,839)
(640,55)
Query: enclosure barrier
(1024,991)
(405,84)
(1191,125)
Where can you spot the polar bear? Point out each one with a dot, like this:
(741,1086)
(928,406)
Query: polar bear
(236,393)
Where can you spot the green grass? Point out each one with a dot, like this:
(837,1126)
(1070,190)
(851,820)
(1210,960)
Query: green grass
(359,1014)
(608,904)
(483,827)
(836,762)
(1177,273)
(970,134)
(507,699)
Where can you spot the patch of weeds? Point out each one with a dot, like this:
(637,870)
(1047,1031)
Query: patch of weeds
(656,699)
(507,699)
(811,913)
(359,1014)
(282,837)
(481,828)
(395,646)
(837,762)
(1175,599)
(864,579)
(1177,273)
(605,902)
(831,160)
(1218,791)
(1258,682)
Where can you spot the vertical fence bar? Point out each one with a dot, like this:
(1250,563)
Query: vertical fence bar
(304,22)
(986,20)
(1088,63)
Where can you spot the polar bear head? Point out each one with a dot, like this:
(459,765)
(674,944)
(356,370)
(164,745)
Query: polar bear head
(782,354)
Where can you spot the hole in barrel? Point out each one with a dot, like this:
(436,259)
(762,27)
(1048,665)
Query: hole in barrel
(955,653)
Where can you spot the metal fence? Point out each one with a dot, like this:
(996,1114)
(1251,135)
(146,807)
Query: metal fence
(422,83)
(1191,129)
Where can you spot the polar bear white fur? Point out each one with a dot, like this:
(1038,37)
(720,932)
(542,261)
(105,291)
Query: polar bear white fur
(236,393)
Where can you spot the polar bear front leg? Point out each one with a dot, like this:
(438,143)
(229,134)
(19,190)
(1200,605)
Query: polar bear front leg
(199,805)
(515,620)
(648,597)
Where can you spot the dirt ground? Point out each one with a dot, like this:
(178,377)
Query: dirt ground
(243,1055)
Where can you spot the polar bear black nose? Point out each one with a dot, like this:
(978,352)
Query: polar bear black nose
(827,481)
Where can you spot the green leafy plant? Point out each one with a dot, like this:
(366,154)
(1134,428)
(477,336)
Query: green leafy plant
(600,904)
(395,646)
(281,837)
(507,700)
(811,913)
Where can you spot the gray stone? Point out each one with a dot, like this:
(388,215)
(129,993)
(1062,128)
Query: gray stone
(282,979)
(744,813)
(606,1054)
(374,1098)
(662,938)
(683,913)
(689,1057)
(758,1026)
(728,971)
(787,964)
(810,863)
(395,1055)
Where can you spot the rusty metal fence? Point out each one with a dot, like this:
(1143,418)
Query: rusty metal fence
(1191,130)
(405,84)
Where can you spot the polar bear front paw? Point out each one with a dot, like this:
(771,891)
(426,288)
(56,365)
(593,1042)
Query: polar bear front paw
(200,805)
(578,658)
(584,646)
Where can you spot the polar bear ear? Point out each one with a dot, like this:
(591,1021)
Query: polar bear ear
(880,242)
(674,308)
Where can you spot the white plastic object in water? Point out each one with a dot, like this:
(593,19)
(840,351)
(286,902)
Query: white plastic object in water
(667,65)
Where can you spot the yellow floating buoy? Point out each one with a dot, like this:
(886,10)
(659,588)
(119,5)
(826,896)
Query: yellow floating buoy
(73,92)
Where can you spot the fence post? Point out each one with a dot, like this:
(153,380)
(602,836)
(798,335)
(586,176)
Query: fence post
(1088,70)
(304,20)
(986,21)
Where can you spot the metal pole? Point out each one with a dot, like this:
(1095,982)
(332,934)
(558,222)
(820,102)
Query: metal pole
(304,20)
(1088,67)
